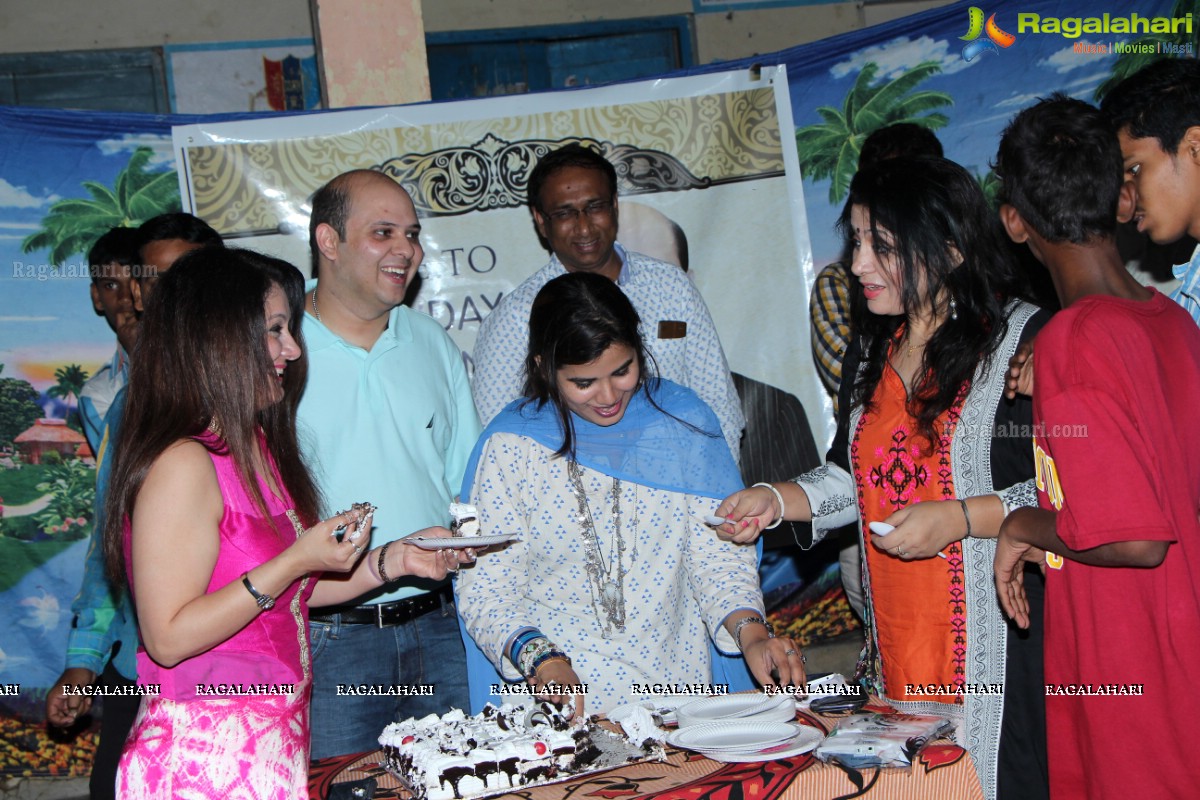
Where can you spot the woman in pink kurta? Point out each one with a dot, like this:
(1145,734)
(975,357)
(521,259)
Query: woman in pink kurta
(234,717)
(214,520)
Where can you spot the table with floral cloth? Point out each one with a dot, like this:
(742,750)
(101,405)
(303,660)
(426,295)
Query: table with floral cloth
(942,771)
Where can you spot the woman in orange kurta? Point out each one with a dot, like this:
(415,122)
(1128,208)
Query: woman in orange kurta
(927,443)
(920,627)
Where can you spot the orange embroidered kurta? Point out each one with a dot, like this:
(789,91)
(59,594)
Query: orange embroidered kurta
(918,606)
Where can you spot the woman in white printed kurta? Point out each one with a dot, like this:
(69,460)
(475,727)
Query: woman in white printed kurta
(682,585)
(629,589)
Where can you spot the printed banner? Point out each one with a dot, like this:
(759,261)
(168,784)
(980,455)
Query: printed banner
(699,156)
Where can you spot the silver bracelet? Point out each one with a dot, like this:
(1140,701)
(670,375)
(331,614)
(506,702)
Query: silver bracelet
(743,622)
(530,651)
(265,601)
(779,499)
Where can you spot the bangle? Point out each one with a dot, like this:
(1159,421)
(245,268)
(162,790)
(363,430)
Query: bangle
(519,640)
(779,499)
(968,516)
(743,622)
(530,653)
(265,601)
(553,655)
(379,567)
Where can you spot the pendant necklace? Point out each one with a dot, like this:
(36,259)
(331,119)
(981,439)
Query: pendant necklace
(606,575)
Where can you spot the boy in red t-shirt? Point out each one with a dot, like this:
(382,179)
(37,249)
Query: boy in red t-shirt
(1117,387)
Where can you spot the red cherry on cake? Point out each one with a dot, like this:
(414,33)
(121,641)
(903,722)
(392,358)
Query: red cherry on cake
(540,748)
(408,740)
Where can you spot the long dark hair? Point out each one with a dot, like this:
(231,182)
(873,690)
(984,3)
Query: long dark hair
(574,319)
(201,359)
(936,214)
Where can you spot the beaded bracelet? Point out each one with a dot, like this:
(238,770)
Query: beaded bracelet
(531,652)
(379,565)
(743,622)
(779,498)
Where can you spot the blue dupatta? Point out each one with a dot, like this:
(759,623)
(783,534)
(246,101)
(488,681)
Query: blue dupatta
(647,447)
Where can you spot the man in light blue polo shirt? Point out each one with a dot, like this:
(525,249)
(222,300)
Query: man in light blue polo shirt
(387,417)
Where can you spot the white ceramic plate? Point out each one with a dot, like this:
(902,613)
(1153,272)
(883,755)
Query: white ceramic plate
(743,737)
(805,740)
(741,707)
(457,542)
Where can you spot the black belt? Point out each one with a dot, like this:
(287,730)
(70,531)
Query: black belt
(384,615)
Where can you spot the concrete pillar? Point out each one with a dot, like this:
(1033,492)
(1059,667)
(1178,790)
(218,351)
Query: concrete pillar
(371,52)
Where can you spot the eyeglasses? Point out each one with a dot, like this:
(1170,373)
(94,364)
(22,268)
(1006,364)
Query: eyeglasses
(596,211)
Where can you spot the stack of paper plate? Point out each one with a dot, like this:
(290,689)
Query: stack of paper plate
(742,741)
(757,707)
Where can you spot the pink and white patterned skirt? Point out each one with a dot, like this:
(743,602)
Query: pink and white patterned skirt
(229,748)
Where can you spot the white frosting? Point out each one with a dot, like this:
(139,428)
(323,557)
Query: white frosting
(639,726)
(438,754)
(466,519)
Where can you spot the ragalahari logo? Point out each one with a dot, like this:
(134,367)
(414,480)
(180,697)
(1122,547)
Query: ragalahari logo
(976,28)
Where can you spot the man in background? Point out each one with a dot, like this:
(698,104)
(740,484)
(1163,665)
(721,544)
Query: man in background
(572,195)
(1156,113)
(110,264)
(1117,378)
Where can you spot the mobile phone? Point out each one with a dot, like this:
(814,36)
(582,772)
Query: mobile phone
(852,700)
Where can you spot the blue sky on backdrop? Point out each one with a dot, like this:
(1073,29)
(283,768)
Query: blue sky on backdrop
(987,91)
(49,321)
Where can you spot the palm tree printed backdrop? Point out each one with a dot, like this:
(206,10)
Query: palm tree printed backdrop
(1129,63)
(830,149)
(70,383)
(73,225)
(989,182)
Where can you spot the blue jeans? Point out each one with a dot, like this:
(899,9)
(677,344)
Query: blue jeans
(426,650)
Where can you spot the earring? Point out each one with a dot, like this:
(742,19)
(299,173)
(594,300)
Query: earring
(953,309)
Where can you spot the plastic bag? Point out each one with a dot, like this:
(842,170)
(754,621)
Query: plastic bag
(862,741)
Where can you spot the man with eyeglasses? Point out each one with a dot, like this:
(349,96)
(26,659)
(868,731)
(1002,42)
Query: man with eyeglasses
(572,194)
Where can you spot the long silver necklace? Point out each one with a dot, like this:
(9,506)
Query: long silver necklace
(316,313)
(606,575)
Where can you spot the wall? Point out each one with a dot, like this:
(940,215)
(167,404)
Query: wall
(39,26)
(449,15)
(45,25)
(720,35)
